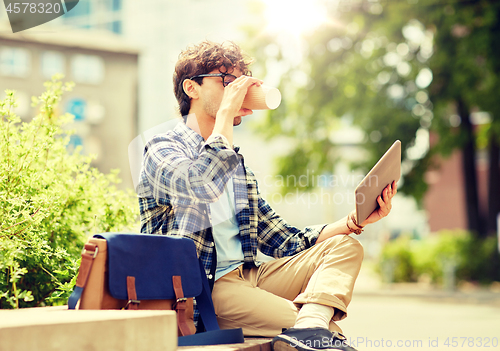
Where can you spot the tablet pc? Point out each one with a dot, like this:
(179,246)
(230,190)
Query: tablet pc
(387,170)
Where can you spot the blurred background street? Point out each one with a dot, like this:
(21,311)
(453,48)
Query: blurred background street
(355,75)
(409,317)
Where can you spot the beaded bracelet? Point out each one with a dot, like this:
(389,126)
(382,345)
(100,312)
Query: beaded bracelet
(353,219)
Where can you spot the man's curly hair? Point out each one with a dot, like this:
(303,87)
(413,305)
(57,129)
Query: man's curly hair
(204,58)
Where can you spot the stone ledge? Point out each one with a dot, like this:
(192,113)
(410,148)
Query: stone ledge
(56,328)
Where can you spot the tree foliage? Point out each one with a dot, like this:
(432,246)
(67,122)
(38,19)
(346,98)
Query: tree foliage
(397,70)
(51,199)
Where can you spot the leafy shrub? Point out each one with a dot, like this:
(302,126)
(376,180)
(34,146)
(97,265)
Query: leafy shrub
(51,199)
(396,261)
(480,260)
(472,258)
(434,253)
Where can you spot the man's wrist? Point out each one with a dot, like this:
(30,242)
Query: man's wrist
(352,224)
(224,126)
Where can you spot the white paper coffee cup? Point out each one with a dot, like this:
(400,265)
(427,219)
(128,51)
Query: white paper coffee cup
(262,98)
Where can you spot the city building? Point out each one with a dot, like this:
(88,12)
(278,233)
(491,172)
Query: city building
(104,100)
(446,185)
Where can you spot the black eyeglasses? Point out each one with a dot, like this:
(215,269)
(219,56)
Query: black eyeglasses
(226,78)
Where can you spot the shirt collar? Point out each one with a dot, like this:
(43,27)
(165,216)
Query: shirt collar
(194,139)
(190,136)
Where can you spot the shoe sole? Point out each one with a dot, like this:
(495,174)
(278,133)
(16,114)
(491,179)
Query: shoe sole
(281,345)
(285,344)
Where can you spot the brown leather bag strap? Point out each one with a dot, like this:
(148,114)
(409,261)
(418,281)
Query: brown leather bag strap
(88,254)
(180,306)
(133,303)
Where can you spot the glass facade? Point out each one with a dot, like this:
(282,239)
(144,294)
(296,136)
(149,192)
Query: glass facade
(14,61)
(52,62)
(87,69)
(96,14)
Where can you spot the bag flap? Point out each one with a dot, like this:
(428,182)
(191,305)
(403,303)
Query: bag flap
(152,260)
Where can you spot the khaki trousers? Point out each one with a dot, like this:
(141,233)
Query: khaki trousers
(264,300)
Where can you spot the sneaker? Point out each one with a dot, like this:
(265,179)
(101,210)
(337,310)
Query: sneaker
(310,339)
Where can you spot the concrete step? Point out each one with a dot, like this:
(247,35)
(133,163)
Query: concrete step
(59,329)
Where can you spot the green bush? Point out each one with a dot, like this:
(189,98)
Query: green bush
(434,253)
(472,258)
(480,260)
(51,200)
(396,261)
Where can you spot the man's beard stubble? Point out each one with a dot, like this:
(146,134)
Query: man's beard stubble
(211,109)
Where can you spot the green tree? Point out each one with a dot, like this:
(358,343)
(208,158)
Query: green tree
(51,199)
(466,69)
(398,70)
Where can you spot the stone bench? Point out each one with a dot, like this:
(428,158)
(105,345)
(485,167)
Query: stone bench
(60,329)
(57,328)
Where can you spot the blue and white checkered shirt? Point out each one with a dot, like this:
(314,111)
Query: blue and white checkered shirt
(182,174)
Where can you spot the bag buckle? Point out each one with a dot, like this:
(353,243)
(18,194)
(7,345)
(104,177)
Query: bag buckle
(178,301)
(130,302)
(84,250)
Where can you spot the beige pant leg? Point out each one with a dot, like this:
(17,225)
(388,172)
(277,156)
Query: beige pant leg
(324,274)
(259,300)
(239,304)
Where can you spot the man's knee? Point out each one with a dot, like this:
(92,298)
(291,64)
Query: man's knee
(346,244)
(356,246)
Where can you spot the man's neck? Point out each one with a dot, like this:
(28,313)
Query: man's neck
(202,126)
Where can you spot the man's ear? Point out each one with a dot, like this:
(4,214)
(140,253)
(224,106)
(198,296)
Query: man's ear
(190,88)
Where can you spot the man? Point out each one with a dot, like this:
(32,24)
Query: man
(195,184)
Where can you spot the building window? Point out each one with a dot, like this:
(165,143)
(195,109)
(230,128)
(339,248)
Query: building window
(52,62)
(15,62)
(116,27)
(75,141)
(87,69)
(116,5)
(83,9)
(78,108)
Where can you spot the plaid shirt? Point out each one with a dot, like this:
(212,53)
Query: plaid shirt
(182,174)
